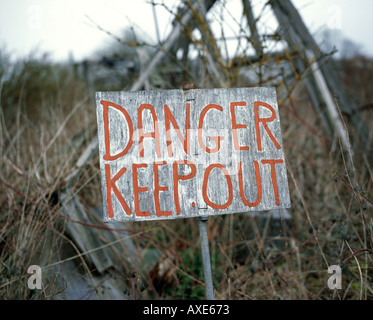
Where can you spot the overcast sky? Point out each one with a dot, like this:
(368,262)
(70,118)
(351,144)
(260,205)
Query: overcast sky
(62,27)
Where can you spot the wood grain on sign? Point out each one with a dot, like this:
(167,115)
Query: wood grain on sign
(169,154)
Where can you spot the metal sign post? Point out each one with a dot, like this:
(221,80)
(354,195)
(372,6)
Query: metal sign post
(209,290)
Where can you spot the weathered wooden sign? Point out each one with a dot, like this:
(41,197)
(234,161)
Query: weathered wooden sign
(169,154)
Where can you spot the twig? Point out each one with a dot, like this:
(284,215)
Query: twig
(48,210)
(307,215)
(344,262)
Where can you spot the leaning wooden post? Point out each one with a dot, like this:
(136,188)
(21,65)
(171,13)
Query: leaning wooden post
(297,34)
(202,224)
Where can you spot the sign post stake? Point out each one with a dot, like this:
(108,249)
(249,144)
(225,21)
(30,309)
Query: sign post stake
(202,223)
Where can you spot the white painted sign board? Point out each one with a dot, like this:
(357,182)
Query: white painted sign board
(168,154)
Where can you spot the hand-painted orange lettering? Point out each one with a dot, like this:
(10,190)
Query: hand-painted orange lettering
(137,189)
(169,118)
(236,125)
(107,155)
(264,122)
(272,163)
(258,185)
(200,130)
(110,185)
(229,185)
(157,189)
(177,177)
(154,134)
